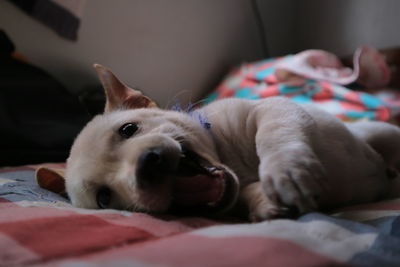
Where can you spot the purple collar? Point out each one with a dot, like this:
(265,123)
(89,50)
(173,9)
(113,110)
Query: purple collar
(195,114)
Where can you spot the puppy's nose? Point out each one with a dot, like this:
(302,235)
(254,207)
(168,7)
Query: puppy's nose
(154,164)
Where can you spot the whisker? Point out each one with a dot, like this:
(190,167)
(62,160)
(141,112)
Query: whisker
(174,98)
(199,102)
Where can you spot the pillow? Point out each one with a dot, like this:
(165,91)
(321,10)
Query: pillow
(39,118)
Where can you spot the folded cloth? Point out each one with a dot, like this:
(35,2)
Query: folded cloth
(370,68)
(63,16)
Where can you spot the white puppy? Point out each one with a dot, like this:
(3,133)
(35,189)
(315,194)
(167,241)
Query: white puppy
(262,158)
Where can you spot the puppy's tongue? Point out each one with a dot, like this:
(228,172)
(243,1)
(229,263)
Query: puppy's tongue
(198,189)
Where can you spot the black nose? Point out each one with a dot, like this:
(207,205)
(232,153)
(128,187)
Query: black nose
(155,164)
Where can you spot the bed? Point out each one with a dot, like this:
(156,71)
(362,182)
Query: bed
(39,227)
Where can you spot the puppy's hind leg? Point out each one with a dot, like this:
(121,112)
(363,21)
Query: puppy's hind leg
(384,138)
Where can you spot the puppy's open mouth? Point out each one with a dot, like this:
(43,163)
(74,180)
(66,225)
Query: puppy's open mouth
(200,187)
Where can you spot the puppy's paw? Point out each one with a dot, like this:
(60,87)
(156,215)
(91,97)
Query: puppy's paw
(295,178)
(260,207)
(267,211)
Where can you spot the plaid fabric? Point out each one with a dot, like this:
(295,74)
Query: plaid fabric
(258,80)
(41,228)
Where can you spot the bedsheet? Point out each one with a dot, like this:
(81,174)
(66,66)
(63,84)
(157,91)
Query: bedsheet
(38,227)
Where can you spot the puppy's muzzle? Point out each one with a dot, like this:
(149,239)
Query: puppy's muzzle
(192,182)
(154,164)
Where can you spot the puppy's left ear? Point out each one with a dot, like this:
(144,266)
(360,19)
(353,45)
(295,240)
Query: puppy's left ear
(118,95)
(51,179)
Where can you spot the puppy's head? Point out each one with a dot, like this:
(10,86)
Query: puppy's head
(136,156)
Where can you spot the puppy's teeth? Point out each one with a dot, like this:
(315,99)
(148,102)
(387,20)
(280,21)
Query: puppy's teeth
(211,170)
(212,204)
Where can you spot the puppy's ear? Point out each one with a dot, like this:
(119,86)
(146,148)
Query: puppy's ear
(119,95)
(51,179)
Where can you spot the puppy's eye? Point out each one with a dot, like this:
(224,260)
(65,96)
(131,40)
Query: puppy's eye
(103,197)
(128,129)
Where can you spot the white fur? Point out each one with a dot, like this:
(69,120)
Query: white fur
(279,154)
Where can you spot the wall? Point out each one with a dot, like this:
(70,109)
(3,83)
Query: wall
(278,18)
(167,48)
(183,47)
(341,26)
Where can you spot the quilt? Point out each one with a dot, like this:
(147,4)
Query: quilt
(320,78)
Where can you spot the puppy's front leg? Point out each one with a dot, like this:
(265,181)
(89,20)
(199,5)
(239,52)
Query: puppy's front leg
(289,170)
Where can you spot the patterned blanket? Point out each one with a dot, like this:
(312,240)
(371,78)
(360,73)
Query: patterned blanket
(318,77)
(38,227)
